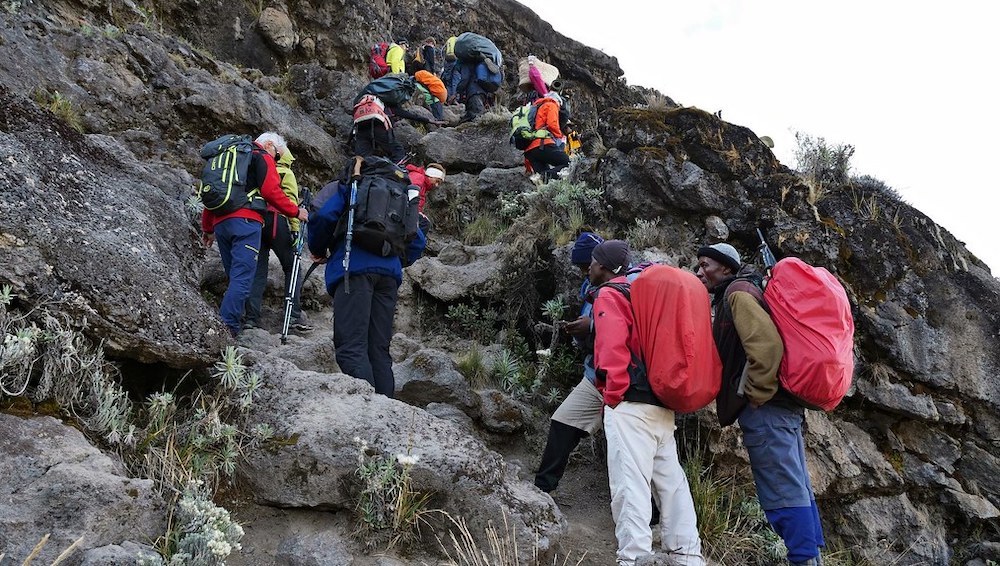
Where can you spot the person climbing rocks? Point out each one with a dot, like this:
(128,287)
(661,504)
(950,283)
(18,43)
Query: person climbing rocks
(545,154)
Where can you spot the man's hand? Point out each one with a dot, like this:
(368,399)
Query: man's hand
(303,215)
(207,238)
(579,327)
(318,259)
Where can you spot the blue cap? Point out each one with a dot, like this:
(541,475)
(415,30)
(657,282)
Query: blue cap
(583,249)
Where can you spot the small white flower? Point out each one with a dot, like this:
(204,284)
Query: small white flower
(543,353)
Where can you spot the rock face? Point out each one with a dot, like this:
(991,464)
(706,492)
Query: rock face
(95,225)
(53,481)
(322,414)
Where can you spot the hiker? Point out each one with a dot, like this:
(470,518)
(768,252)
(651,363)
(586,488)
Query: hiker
(433,91)
(374,109)
(396,56)
(580,413)
(451,75)
(363,314)
(423,59)
(471,91)
(642,454)
(545,154)
(427,178)
(239,232)
(771,420)
(279,235)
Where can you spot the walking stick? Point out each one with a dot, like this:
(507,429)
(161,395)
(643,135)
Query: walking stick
(350,223)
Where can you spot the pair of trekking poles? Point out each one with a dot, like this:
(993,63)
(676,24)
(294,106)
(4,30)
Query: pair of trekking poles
(293,280)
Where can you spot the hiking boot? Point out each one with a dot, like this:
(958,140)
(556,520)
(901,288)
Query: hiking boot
(301,325)
(251,324)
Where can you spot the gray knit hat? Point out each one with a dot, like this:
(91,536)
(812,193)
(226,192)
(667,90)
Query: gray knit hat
(613,255)
(724,254)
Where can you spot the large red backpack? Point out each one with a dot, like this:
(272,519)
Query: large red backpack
(673,318)
(377,66)
(813,316)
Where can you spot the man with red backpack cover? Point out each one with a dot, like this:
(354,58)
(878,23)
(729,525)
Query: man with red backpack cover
(771,419)
(642,453)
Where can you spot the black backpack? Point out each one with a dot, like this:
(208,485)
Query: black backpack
(385,211)
(392,90)
(224,179)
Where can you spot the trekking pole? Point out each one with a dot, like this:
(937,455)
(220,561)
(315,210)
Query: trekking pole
(406,158)
(765,253)
(293,279)
(350,223)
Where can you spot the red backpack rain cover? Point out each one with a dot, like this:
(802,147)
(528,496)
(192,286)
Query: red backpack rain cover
(377,67)
(673,319)
(813,316)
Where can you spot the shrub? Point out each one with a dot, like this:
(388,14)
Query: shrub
(389,512)
(473,321)
(473,367)
(644,234)
(207,534)
(462,548)
(821,165)
(178,443)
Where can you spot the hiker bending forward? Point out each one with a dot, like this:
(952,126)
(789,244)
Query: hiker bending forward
(642,454)
(362,319)
(751,349)
(546,155)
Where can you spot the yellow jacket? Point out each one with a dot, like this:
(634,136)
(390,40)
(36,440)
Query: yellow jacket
(396,59)
(289,185)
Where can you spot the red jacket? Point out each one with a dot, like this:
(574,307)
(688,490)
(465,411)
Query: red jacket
(546,117)
(418,177)
(615,340)
(263,173)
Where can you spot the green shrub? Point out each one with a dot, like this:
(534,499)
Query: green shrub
(822,166)
(644,234)
(475,322)
(388,510)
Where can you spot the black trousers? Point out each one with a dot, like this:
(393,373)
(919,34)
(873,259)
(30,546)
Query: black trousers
(547,160)
(277,237)
(561,443)
(362,329)
(372,138)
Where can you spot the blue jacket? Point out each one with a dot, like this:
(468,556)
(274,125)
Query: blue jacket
(470,74)
(322,242)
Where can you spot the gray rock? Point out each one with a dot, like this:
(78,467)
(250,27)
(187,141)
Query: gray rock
(314,549)
(127,553)
(453,414)
(716,229)
(430,376)
(500,413)
(912,537)
(53,481)
(321,414)
(472,147)
(494,182)
(458,272)
(278,29)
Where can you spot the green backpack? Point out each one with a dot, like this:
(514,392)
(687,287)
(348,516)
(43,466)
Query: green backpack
(224,179)
(522,127)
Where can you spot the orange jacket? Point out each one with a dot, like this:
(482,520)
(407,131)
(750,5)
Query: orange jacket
(546,117)
(432,83)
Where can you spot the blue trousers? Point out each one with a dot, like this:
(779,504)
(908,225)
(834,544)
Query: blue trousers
(773,437)
(239,244)
(362,329)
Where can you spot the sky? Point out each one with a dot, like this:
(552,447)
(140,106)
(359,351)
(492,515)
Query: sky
(913,86)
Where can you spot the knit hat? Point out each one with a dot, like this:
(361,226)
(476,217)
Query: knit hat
(583,249)
(613,255)
(724,254)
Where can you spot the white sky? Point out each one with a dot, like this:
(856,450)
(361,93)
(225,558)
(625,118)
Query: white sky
(913,86)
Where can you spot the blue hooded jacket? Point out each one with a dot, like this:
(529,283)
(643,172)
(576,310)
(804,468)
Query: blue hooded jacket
(322,242)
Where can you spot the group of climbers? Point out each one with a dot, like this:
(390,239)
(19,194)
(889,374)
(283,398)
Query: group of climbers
(364,271)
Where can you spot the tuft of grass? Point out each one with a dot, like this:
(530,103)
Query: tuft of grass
(61,107)
(388,510)
(502,548)
(644,234)
(485,229)
(473,367)
(822,166)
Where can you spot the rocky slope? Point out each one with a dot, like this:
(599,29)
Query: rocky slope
(94,223)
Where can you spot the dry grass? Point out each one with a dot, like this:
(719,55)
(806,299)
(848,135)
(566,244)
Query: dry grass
(502,547)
